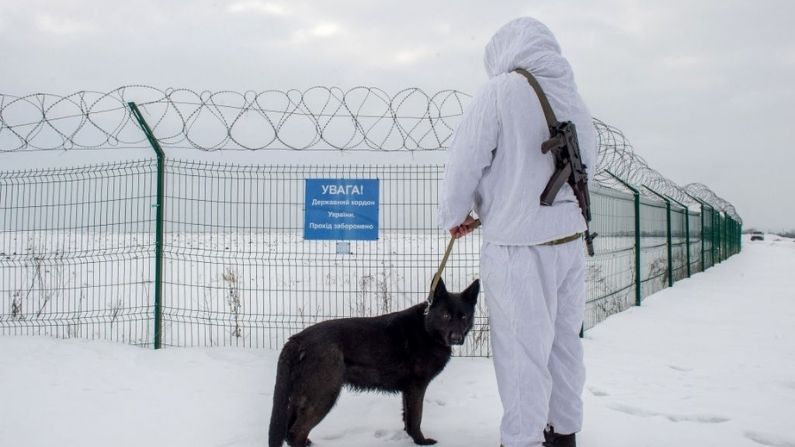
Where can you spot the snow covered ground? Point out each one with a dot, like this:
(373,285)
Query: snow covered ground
(710,361)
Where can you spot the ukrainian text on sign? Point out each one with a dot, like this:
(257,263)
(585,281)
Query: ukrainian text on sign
(341,209)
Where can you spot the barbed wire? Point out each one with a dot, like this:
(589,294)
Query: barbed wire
(318,118)
(703,192)
(618,157)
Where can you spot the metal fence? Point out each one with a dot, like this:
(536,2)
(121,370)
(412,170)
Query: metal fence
(177,252)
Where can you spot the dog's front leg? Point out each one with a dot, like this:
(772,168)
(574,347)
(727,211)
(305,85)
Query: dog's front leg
(413,397)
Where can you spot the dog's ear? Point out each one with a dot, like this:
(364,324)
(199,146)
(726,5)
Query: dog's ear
(440,291)
(470,295)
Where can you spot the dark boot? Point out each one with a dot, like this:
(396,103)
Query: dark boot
(552,439)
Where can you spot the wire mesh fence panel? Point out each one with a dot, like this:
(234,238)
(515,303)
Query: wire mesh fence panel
(678,242)
(653,247)
(708,238)
(77,250)
(610,274)
(695,242)
(240,272)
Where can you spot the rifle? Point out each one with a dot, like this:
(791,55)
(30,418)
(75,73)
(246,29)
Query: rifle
(569,167)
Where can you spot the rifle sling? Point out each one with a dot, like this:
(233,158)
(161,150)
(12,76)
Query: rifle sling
(552,120)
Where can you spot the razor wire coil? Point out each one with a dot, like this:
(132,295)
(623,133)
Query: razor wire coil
(318,118)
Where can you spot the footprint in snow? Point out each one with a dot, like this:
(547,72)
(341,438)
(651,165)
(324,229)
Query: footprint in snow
(769,440)
(348,432)
(790,385)
(597,392)
(680,368)
(390,435)
(640,412)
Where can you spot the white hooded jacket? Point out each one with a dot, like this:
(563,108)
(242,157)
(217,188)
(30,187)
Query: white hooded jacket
(495,164)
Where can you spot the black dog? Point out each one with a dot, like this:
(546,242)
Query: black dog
(397,352)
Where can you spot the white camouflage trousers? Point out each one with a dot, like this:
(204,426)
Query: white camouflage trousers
(536,299)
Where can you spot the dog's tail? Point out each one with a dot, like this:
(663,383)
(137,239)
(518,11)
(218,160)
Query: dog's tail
(277,433)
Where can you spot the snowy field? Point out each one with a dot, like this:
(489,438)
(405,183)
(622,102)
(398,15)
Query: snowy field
(710,361)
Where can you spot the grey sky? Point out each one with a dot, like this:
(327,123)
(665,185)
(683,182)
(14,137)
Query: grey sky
(703,89)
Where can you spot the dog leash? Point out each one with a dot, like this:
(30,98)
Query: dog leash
(438,275)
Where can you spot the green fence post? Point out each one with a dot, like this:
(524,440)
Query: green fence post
(716,235)
(726,236)
(670,244)
(636,193)
(711,220)
(703,241)
(712,254)
(161,156)
(687,230)
(668,232)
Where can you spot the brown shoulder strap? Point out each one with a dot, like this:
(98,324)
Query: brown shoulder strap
(552,121)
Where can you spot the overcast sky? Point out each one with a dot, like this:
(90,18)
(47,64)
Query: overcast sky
(704,90)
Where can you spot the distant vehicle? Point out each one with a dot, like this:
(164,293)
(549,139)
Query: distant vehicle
(757,236)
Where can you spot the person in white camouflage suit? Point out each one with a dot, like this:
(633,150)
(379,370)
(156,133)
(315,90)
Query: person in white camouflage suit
(532,259)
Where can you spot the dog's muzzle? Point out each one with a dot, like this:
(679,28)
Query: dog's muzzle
(456,338)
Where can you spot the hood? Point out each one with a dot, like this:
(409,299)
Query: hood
(525,43)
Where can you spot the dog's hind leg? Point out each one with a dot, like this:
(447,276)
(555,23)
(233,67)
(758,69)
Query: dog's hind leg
(316,395)
(412,412)
(307,418)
